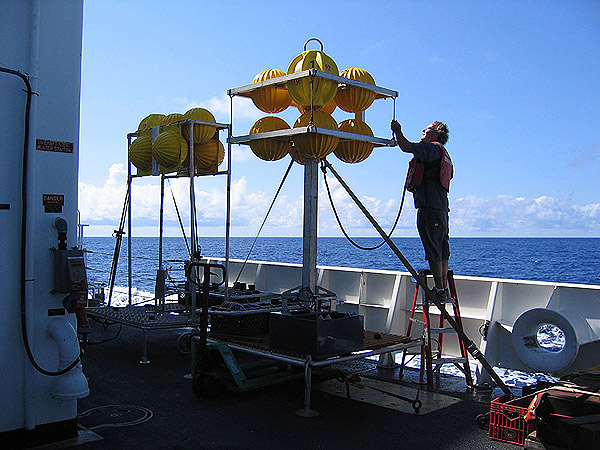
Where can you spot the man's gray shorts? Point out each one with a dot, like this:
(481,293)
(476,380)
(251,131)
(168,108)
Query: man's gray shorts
(433,230)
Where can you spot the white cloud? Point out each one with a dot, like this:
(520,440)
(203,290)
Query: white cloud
(503,215)
(509,216)
(243,107)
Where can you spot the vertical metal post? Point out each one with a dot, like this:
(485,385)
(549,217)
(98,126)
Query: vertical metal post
(309,230)
(306,411)
(144,359)
(159,274)
(129,268)
(228,214)
(193,231)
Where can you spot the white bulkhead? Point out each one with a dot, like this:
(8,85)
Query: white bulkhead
(42,41)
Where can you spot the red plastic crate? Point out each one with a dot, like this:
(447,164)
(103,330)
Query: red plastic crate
(507,423)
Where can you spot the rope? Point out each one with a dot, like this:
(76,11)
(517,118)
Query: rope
(323,168)
(119,236)
(287,171)
(179,218)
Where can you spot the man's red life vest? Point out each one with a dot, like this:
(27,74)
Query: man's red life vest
(416,168)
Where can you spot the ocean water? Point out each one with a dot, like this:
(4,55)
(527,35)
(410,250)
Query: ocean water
(564,260)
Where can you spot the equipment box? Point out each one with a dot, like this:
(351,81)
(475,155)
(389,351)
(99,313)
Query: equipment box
(320,334)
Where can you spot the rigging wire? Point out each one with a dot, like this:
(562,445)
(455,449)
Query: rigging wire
(287,171)
(179,218)
(324,169)
(118,234)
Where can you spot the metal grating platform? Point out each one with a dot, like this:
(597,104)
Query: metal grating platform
(169,315)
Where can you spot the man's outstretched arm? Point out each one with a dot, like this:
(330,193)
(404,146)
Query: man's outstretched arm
(403,143)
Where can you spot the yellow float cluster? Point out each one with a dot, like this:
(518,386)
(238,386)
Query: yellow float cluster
(170,147)
(315,101)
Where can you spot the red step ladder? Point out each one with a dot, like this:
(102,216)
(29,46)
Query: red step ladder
(433,359)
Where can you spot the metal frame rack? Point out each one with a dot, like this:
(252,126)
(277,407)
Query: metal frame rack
(310,165)
(375,344)
(309,257)
(164,315)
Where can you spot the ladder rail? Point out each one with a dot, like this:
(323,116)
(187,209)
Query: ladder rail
(429,364)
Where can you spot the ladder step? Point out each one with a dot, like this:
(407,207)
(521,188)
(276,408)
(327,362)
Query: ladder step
(440,361)
(442,330)
(449,301)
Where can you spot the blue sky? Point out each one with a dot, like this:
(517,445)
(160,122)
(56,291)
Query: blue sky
(517,83)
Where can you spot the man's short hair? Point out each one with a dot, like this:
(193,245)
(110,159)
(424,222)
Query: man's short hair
(442,130)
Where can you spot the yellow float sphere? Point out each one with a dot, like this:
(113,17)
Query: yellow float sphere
(353,151)
(209,156)
(323,90)
(270,99)
(328,108)
(202,133)
(169,149)
(351,98)
(270,149)
(169,119)
(140,153)
(148,122)
(316,145)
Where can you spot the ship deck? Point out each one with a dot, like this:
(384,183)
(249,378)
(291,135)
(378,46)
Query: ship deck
(152,406)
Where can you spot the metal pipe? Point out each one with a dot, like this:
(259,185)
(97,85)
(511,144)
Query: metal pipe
(160,241)
(193,231)
(309,230)
(228,214)
(28,222)
(129,255)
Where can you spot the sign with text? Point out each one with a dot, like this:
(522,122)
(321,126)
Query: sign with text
(53,203)
(53,146)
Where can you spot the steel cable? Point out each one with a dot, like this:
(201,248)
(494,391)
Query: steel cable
(287,171)
(324,169)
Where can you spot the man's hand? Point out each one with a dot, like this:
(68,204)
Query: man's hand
(403,143)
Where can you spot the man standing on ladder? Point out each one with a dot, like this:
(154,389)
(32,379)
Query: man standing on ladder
(429,175)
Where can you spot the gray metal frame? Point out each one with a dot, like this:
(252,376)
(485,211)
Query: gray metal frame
(311,185)
(280,82)
(308,363)
(136,316)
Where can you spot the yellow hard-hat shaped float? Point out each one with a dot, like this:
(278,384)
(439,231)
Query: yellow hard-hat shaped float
(202,133)
(148,122)
(209,156)
(354,99)
(270,149)
(140,153)
(270,99)
(316,145)
(354,151)
(169,149)
(323,90)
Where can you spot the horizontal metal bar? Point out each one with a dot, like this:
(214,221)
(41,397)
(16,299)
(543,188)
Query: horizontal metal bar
(326,362)
(280,82)
(217,125)
(379,351)
(289,134)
